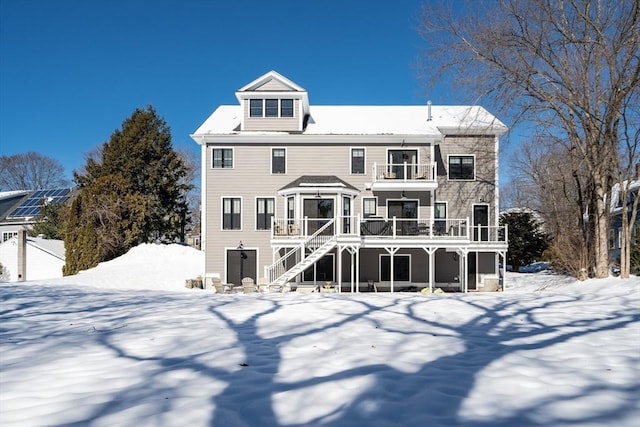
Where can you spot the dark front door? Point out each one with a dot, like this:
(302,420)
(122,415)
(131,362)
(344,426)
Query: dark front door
(401,268)
(241,264)
(318,211)
(480,222)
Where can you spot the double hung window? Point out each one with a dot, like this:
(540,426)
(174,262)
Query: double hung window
(271,107)
(231,213)
(265,208)
(462,167)
(369,207)
(278,160)
(222,158)
(357,160)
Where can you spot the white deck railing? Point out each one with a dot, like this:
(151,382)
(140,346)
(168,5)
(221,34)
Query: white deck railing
(389,228)
(403,172)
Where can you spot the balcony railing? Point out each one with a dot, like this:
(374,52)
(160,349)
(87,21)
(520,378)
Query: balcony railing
(389,228)
(397,172)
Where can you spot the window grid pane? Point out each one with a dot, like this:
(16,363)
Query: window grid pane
(222,158)
(357,160)
(255,108)
(271,108)
(231,213)
(369,206)
(461,167)
(286,108)
(278,160)
(264,213)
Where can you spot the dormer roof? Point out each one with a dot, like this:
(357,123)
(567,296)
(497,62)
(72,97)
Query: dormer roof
(274,84)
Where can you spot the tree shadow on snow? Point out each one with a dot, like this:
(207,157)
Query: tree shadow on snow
(436,391)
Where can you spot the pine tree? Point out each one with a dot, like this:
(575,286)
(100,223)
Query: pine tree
(133,191)
(526,241)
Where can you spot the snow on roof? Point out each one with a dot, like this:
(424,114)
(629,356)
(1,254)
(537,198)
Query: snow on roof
(12,193)
(372,120)
(53,247)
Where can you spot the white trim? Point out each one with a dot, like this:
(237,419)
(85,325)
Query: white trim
(475,168)
(222,229)
(226,250)
(286,160)
(203,200)
(375,198)
(255,212)
(224,147)
(364,166)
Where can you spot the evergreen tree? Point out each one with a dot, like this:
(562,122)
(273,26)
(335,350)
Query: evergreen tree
(133,191)
(526,241)
(50,221)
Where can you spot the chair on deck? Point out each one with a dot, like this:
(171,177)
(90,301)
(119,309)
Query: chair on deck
(219,287)
(248,285)
(263,284)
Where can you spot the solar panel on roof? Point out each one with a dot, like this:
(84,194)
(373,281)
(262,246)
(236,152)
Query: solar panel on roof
(31,206)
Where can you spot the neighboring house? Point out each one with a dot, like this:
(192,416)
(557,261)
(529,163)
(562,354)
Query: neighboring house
(615,224)
(405,197)
(20,209)
(44,259)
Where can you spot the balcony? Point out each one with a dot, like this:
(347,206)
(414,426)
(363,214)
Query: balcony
(402,231)
(404,176)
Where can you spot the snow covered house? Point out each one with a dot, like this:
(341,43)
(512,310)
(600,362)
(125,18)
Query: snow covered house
(365,197)
(44,259)
(20,209)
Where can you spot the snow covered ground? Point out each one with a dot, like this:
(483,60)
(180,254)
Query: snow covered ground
(125,344)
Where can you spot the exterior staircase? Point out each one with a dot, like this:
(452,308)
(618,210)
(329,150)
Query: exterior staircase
(319,243)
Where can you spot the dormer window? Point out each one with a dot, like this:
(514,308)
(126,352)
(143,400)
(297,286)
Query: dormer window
(271,108)
(255,108)
(286,108)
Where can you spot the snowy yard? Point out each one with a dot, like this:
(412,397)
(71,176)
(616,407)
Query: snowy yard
(125,344)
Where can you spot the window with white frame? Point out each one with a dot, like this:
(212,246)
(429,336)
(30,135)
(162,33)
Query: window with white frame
(231,210)
(255,108)
(286,108)
(6,235)
(369,207)
(265,209)
(222,158)
(278,160)
(357,160)
(271,107)
(462,167)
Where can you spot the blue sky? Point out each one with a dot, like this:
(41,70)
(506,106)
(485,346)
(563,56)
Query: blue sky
(72,70)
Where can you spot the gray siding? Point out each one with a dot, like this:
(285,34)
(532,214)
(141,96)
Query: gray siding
(273,85)
(282,124)
(251,177)
(461,195)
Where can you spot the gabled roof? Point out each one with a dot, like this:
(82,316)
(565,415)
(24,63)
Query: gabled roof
(274,83)
(271,75)
(312,183)
(53,247)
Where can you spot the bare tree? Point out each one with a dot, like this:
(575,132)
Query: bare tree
(570,65)
(31,171)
